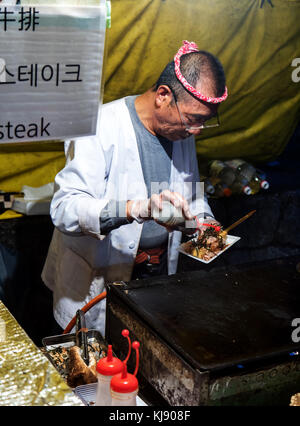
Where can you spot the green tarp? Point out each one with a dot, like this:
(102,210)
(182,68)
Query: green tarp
(256,42)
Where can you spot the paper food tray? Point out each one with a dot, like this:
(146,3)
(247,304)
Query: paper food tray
(231,239)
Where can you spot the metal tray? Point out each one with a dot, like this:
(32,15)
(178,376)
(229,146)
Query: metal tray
(66,341)
(69,339)
(231,239)
(87,394)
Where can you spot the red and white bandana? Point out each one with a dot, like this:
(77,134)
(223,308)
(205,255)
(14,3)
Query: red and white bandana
(189,47)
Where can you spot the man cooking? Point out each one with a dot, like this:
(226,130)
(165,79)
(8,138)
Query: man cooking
(143,153)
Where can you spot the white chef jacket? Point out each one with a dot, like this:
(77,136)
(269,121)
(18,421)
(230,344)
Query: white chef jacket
(101,168)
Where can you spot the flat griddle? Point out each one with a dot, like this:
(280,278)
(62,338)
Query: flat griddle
(221,319)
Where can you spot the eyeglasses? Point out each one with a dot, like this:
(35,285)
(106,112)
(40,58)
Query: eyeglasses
(212,122)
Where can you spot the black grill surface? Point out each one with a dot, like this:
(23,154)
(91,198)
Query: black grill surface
(221,319)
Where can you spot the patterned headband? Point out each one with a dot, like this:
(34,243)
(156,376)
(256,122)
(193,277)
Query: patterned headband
(189,47)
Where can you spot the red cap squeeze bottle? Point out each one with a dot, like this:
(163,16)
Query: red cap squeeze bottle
(106,368)
(124,386)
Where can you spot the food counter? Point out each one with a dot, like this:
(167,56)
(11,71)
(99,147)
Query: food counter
(27,377)
(32,376)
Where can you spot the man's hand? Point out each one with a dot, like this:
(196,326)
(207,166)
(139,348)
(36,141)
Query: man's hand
(138,210)
(156,203)
(141,210)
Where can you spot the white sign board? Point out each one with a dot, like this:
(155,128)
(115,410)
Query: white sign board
(50,71)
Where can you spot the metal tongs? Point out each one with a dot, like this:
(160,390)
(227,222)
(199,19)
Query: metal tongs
(81,336)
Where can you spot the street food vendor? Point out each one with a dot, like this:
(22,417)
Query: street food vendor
(143,153)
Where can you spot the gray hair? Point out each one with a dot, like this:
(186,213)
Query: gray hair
(195,67)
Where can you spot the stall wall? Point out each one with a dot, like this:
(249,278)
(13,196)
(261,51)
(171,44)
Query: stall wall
(256,42)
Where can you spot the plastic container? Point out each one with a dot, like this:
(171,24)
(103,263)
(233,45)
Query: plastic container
(123,399)
(259,181)
(106,368)
(124,386)
(172,216)
(256,184)
(242,167)
(103,395)
(255,178)
(222,190)
(221,170)
(209,187)
(241,186)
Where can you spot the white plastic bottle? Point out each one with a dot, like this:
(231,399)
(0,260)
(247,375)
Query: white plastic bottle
(124,386)
(208,186)
(242,167)
(106,368)
(222,171)
(258,182)
(255,178)
(222,190)
(240,186)
(249,172)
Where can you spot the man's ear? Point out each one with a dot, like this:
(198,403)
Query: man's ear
(163,96)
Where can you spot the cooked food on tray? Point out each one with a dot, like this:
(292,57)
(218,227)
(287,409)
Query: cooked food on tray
(79,372)
(208,244)
(211,241)
(69,363)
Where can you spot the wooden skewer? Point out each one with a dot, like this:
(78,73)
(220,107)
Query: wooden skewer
(237,223)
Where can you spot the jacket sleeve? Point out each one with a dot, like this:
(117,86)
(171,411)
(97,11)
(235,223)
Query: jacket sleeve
(80,189)
(111,217)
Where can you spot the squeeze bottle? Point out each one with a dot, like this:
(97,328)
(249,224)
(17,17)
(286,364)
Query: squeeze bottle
(124,386)
(106,368)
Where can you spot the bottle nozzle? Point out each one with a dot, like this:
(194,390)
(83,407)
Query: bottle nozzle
(109,365)
(136,346)
(109,354)
(124,371)
(125,333)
